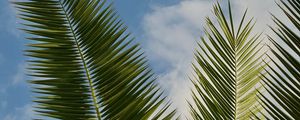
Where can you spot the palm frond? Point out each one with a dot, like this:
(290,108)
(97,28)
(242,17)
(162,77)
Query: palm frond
(85,64)
(283,78)
(227,69)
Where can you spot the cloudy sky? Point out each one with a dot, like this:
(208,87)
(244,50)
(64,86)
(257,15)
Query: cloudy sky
(166,29)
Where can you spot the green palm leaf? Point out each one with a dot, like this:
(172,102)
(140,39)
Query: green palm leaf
(84,64)
(227,69)
(283,80)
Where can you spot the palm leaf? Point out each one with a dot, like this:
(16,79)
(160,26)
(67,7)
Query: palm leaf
(283,77)
(227,69)
(85,65)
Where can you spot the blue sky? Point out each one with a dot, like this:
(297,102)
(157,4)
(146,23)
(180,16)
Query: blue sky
(167,30)
(14,93)
(15,96)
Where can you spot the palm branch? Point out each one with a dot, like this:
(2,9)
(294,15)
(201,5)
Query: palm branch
(283,78)
(85,65)
(227,68)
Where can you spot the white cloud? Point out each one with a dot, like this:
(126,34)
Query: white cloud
(261,12)
(172,31)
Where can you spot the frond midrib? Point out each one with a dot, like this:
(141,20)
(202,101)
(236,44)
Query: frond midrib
(226,58)
(235,78)
(84,63)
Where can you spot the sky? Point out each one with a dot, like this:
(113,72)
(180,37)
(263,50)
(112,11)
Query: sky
(166,29)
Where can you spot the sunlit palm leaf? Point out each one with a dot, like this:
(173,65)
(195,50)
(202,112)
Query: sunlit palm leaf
(283,79)
(227,69)
(84,64)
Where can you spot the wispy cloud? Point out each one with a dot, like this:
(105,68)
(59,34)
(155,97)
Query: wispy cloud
(23,113)
(3,104)
(261,11)
(172,32)
(17,81)
(10,23)
(19,77)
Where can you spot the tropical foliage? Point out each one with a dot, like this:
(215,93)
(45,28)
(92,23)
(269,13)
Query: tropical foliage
(227,69)
(283,78)
(84,64)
